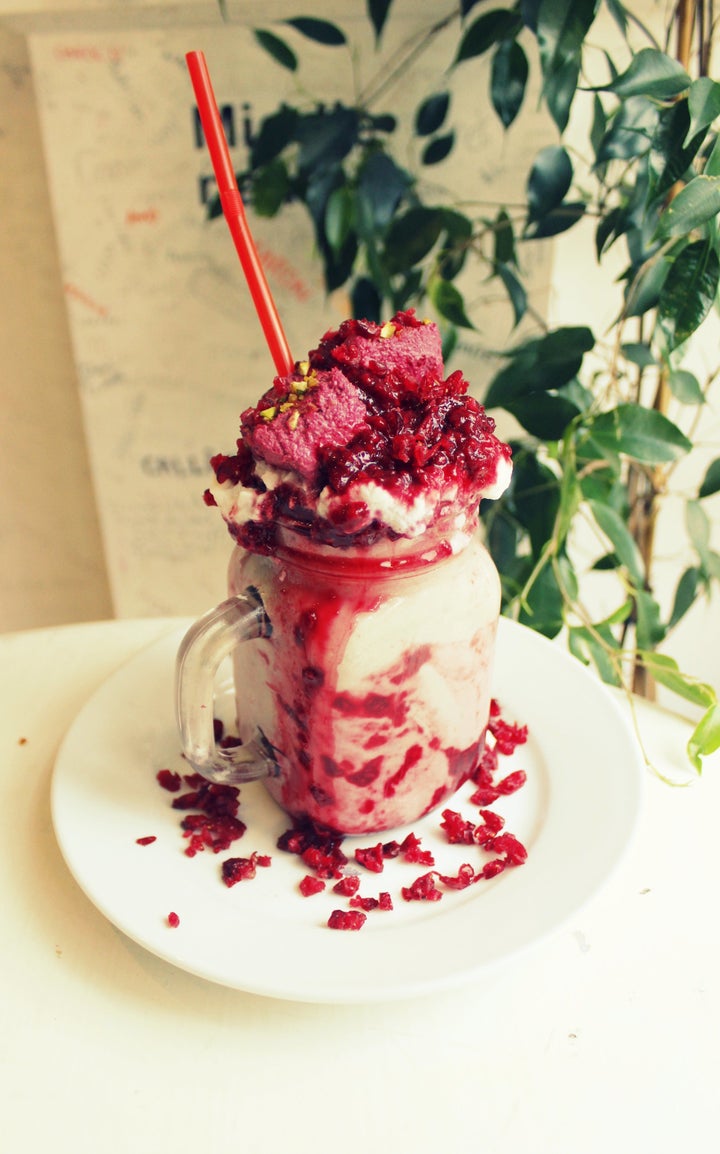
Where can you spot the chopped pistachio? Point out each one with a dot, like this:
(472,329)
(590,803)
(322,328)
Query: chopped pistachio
(388,329)
(285,405)
(268,414)
(303,367)
(293,419)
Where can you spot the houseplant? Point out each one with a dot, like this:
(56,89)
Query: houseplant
(603,418)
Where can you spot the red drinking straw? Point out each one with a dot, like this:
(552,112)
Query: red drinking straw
(234,213)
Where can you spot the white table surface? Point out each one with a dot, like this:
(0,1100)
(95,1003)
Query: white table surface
(603,1038)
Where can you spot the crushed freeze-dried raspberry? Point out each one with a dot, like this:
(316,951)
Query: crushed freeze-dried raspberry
(146,840)
(169,780)
(411,850)
(484,796)
(423,889)
(311,885)
(514,850)
(319,847)
(512,783)
(347,920)
(371,858)
(493,821)
(216,834)
(215,824)
(326,864)
(366,904)
(457,829)
(240,869)
(347,886)
(485,770)
(492,868)
(461,880)
(507,735)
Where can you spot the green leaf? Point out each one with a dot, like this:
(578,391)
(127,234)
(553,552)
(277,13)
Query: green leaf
(712,164)
(508,80)
(411,237)
(644,288)
(669,159)
(281,52)
(704,104)
(705,738)
(685,595)
(541,364)
(685,387)
(629,132)
(437,149)
(693,206)
(599,123)
(543,415)
(535,495)
(326,137)
(455,243)
(381,187)
(558,220)
(448,301)
(550,178)
(570,492)
(378,11)
(559,89)
(270,188)
(596,645)
(711,480)
(543,609)
(689,291)
(339,217)
(275,133)
(515,290)
(431,113)
(561,29)
(321,31)
(504,239)
(617,532)
(642,434)
(365,300)
(640,354)
(697,524)
(490,28)
(649,629)
(651,73)
(665,671)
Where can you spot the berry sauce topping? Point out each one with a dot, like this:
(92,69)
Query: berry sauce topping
(326,863)
(367,441)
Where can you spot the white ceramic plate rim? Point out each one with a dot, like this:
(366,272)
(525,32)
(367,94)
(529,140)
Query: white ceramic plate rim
(577,815)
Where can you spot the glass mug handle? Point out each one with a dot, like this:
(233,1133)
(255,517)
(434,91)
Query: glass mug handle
(205,645)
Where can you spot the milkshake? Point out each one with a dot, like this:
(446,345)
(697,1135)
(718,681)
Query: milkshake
(353,500)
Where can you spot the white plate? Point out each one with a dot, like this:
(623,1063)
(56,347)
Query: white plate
(576,815)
